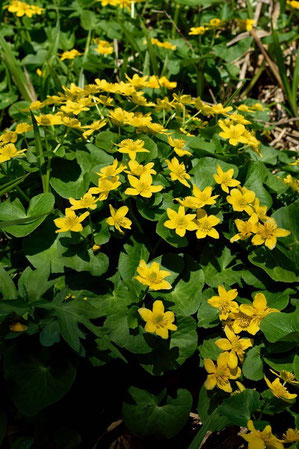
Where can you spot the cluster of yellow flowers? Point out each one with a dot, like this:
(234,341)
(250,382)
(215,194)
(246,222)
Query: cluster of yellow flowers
(164,44)
(265,439)
(292,182)
(120,3)
(23,9)
(243,24)
(8,150)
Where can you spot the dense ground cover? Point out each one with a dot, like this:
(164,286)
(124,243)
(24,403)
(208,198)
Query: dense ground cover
(148,224)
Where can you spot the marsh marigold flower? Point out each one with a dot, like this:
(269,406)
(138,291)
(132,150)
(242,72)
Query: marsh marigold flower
(257,439)
(178,171)
(152,276)
(178,146)
(225,179)
(139,169)
(103,47)
(235,345)
(256,311)
(142,186)
(241,200)
(86,202)
(132,147)
(293,3)
(10,151)
(200,198)
(179,221)
(23,9)
(105,186)
(195,31)
(220,375)
(234,133)
(111,171)
(205,225)
(279,390)
(225,302)
(291,435)
(18,327)
(70,54)
(158,321)
(73,107)
(118,218)
(267,233)
(70,222)
(245,228)
(286,376)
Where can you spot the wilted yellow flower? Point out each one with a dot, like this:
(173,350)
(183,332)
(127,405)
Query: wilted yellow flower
(267,233)
(225,302)
(235,345)
(158,321)
(257,439)
(142,186)
(118,218)
(70,222)
(221,374)
(152,276)
(179,221)
(256,311)
(178,171)
(225,179)
(205,225)
(10,151)
(132,147)
(279,390)
(86,202)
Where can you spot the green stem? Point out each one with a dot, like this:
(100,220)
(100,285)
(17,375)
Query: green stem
(23,194)
(81,75)
(175,19)
(91,228)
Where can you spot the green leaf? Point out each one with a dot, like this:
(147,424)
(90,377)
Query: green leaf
(37,380)
(240,407)
(219,266)
(67,178)
(256,174)
(208,350)
(281,326)
(7,287)
(147,415)
(24,223)
(276,264)
(34,283)
(253,364)
(129,258)
(207,316)
(204,169)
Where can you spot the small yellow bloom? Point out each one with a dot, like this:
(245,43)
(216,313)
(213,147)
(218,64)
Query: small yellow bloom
(138,169)
(235,345)
(260,211)
(257,439)
(235,133)
(118,218)
(221,374)
(95,126)
(105,186)
(215,23)
(23,9)
(96,248)
(165,44)
(152,276)
(9,137)
(178,171)
(279,390)
(245,228)
(286,376)
(241,200)
(219,109)
(291,435)
(23,128)
(267,233)
(111,171)
(103,47)
(73,107)
(120,116)
(197,30)
(142,186)
(200,198)
(18,327)
(179,221)
(70,222)
(241,322)
(205,225)
(158,321)
(178,146)
(132,147)
(225,302)
(86,202)
(257,311)
(225,179)
(292,182)
(70,54)
(10,151)
(293,3)
(246,24)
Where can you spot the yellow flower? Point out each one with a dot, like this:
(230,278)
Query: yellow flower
(219,109)
(260,211)
(235,133)
(142,186)
(205,225)
(178,146)
(286,376)
(118,218)
(215,23)
(152,276)
(70,54)
(241,200)
(9,137)
(293,3)
(95,126)
(103,47)
(261,439)
(225,302)
(111,170)
(158,321)
(138,169)
(245,228)
(238,118)
(225,179)
(132,147)
(23,128)
(10,151)
(279,390)
(48,119)
(86,202)
(267,233)
(18,327)
(197,30)
(246,24)
(179,221)
(292,182)
(257,311)
(241,322)
(120,116)
(70,222)
(165,44)
(235,345)
(178,171)
(23,9)
(200,198)
(72,107)
(221,374)
(105,186)
(291,435)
